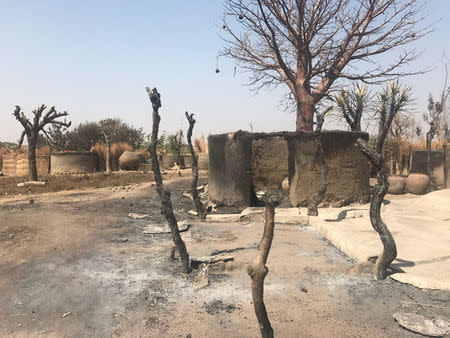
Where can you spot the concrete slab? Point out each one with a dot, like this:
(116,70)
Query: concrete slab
(420,226)
(290,216)
(223,218)
(282,215)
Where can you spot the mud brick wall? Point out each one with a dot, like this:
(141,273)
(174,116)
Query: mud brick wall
(17,164)
(242,162)
(269,163)
(9,164)
(229,179)
(348,174)
(73,162)
(419,165)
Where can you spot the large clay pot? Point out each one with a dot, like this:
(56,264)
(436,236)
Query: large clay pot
(129,161)
(397,185)
(417,184)
(285,184)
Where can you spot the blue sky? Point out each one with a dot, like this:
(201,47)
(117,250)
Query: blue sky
(94,59)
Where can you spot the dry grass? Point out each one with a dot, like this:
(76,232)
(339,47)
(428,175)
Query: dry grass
(399,152)
(45,150)
(3,151)
(200,145)
(144,153)
(422,144)
(117,149)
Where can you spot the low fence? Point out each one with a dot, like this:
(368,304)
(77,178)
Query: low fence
(17,164)
(77,162)
(439,166)
(73,162)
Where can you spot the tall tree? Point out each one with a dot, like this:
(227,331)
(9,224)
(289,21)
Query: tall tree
(33,127)
(392,100)
(309,44)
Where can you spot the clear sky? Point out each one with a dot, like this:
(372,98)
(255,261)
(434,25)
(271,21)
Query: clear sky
(94,59)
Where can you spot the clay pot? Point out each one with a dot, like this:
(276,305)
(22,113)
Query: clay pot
(417,184)
(129,161)
(397,185)
(285,184)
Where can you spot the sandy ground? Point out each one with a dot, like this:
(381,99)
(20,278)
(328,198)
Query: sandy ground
(419,224)
(75,265)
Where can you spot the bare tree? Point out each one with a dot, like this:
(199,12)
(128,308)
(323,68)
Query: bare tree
(258,270)
(201,209)
(392,100)
(33,127)
(309,44)
(164,194)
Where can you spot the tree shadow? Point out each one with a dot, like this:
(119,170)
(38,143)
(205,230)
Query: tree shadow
(342,215)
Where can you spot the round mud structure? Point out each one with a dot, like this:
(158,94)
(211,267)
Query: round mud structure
(241,163)
(73,163)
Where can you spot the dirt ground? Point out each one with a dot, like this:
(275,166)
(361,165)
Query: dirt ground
(8,184)
(73,264)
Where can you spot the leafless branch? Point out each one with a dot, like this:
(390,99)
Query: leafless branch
(309,44)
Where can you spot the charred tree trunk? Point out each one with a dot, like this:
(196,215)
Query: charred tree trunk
(318,196)
(379,191)
(164,194)
(201,209)
(32,167)
(257,271)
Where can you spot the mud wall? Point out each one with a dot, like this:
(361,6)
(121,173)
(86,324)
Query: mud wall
(419,165)
(269,162)
(241,162)
(17,164)
(229,179)
(348,174)
(73,162)
(9,164)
